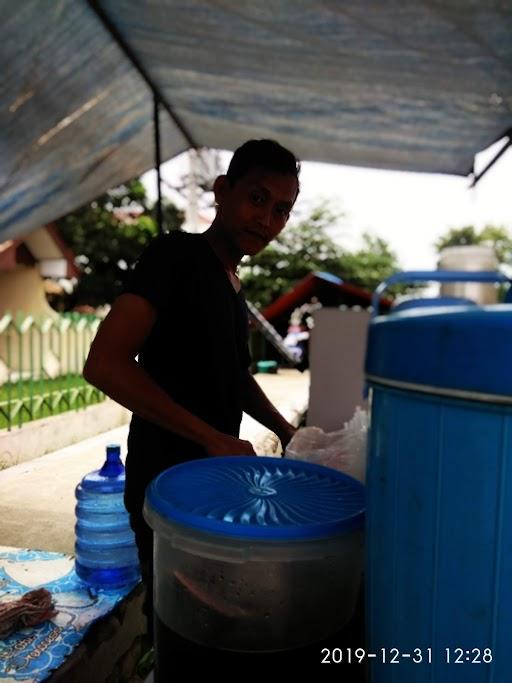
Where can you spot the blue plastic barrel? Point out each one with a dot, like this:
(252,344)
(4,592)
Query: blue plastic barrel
(439,496)
(105,549)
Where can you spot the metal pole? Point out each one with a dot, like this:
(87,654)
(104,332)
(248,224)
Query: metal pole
(192,211)
(95,5)
(158,163)
(508,143)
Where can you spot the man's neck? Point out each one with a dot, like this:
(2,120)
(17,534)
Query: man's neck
(229,257)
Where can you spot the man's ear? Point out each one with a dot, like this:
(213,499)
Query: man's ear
(220,186)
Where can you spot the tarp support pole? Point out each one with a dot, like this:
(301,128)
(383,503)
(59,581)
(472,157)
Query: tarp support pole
(491,163)
(158,163)
(96,7)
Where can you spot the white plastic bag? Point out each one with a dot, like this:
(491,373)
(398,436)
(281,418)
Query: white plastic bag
(343,450)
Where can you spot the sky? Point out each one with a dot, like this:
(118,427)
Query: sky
(408,210)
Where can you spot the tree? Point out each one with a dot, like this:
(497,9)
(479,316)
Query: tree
(299,250)
(107,236)
(458,237)
(305,247)
(371,264)
(499,237)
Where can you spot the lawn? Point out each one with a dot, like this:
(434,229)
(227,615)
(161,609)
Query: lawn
(30,399)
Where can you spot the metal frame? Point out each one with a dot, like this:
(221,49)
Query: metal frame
(508,143)
(158,163)
(158,98)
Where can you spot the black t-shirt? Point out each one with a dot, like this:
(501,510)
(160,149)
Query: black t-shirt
(197,350)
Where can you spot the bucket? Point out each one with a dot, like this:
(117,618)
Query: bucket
(253,555)
(267,366)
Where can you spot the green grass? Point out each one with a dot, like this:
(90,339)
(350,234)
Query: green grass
(29,400)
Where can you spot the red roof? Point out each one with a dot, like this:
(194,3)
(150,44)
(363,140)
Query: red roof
(308,287)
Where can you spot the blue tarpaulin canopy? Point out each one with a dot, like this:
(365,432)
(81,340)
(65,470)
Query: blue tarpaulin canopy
(416,86)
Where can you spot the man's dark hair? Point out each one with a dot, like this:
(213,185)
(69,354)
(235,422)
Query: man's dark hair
(266,154)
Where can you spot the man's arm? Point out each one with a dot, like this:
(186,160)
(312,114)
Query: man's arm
(111,366)
(258,406)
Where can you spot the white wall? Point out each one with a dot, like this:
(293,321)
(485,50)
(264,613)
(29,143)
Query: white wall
(336,362)
(36,438)
(22,289)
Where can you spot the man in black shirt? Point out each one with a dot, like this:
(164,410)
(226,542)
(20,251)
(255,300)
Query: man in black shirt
(183,314)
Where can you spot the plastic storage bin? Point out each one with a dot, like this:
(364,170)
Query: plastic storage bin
(254,554)
(439,478)
(106,554)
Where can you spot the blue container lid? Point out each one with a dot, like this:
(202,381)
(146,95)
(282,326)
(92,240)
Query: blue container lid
(428,302)
(258,498)
(459,348)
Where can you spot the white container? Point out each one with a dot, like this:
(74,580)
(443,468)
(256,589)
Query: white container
(254,554)
(473,257)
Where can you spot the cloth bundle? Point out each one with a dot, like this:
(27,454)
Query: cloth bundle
(31,609)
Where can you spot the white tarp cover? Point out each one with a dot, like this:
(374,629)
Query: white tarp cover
(418,85)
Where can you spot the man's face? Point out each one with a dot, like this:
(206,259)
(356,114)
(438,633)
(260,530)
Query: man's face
(255,209)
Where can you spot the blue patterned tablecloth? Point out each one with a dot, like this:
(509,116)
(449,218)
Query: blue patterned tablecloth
(31,654)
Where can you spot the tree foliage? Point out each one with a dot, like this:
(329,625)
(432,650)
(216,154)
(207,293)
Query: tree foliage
(369,265)
(300,249)
(107,236)
(457,237)
(306,247)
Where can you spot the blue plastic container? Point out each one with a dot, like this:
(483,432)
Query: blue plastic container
(254,554)
(439,495)
(105,550)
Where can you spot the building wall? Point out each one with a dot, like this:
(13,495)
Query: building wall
(336,362)
(22,289)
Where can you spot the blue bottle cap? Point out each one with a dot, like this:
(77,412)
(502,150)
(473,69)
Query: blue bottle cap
(110,478)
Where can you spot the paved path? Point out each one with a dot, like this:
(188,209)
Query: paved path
(37,502)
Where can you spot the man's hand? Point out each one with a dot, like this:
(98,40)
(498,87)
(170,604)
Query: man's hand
(258,406)
(224,444)
(285,435)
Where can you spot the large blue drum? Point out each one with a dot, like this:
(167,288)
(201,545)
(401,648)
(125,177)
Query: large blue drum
(439,535)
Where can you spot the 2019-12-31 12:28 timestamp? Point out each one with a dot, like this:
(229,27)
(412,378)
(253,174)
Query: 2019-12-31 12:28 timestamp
(393,655)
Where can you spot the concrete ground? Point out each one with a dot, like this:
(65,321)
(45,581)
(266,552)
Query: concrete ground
(37,500)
